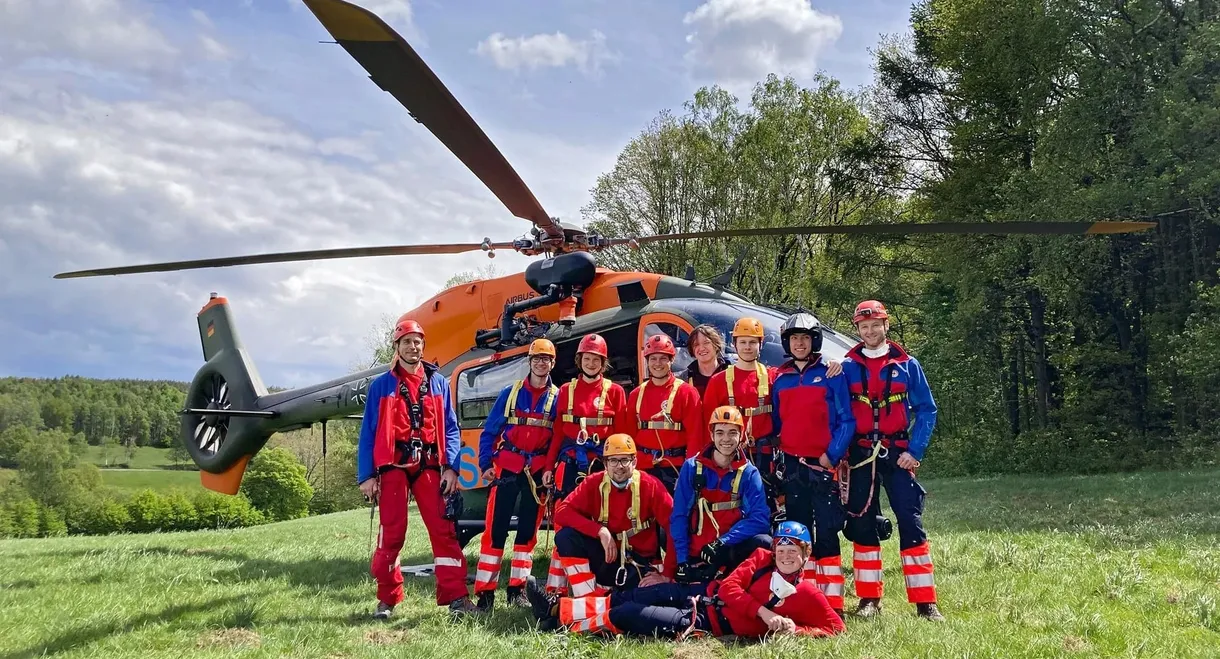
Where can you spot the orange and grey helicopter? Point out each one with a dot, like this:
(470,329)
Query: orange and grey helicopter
(478,332)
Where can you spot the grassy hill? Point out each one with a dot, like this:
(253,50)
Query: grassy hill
(1116,565)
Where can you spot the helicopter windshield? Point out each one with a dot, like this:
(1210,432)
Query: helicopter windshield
(723,315)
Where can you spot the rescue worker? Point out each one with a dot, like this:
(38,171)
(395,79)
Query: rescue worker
(747,385)
(706,346)
(720,506)
(609,523)
(512,456)
(408,446)
(813,421)
(590,406)
(664,415)
(764,595)
(894,417)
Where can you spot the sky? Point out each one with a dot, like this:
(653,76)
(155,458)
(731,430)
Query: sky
(137,131)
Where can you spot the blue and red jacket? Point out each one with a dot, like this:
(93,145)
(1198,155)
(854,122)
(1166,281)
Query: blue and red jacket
(751,517)
(810,412)
(897,383)
(387,421)
(509,442)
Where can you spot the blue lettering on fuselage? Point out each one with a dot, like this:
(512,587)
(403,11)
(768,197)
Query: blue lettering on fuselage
(468,468)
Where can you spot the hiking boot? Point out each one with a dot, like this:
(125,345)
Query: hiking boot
(543,606)
(487,601)
(869,607)
(384,611)
(929,611)
(518,598)
(463,606)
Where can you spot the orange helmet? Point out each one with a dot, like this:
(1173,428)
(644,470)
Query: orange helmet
(407,326)
(595,344)
(869,309)
(748,327)
(542,347)
(659,344)
(619,443)
(727,414)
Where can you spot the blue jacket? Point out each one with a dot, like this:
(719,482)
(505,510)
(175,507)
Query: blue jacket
(811,413)
(918,413)
(375,436)
(755,514)
(532,439)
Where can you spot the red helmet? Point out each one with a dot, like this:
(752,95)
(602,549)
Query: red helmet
(659,344)
(595,344)
(869,309)
(407,326)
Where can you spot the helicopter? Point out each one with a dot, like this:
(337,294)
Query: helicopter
(479,332)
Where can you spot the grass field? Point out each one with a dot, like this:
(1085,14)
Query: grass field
(1119,565)
(145,457)
(156,479)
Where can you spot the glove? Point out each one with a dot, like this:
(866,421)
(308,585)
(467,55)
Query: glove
(683,573)
(711,552)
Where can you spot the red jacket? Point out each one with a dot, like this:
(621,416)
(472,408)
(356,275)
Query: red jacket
(686,411)
(748,589)
(581,509)
(583,406)
(386,420)
(745,396)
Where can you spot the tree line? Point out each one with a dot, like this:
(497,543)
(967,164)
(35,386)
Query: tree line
(1044,353)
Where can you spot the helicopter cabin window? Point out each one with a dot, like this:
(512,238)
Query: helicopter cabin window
(621,343)
(680,339)
(478,388)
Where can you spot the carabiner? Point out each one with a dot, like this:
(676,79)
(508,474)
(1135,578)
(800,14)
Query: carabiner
(582,436)
(620,576)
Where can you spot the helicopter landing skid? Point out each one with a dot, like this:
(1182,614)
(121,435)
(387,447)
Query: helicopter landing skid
(425,571)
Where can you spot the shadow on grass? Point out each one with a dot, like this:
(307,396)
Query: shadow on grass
(86,635)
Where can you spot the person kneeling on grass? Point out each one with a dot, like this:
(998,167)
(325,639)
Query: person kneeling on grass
(765,594)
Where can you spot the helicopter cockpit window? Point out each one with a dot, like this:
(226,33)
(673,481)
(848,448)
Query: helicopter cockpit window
(680,339)
(620,341)
(478,388)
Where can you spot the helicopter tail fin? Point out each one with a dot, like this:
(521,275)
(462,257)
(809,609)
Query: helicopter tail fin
(222,445)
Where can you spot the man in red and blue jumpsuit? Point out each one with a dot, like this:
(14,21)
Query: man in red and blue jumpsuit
(512,456)
(664,415)
(409,442)
(720,511)
(590,407)
(894,415)
(811,414)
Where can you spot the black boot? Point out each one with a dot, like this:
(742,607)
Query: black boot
(869,607)
(517,598)
(543,606)
(487,601)
(929,611)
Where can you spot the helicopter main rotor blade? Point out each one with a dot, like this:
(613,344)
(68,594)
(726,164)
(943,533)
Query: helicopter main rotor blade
(397,69)
(284,257)
(982,228)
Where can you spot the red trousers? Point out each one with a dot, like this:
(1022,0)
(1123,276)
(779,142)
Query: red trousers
(450,562)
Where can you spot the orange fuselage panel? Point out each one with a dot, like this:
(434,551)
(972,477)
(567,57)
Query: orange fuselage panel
(451,318)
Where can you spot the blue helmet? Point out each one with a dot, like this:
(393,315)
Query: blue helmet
(791,533)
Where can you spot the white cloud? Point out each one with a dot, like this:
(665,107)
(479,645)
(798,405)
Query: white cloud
(156,181)
(102,31)
(546,50)
(740,41)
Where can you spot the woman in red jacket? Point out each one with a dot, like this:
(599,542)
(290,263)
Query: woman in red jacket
(765,594)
